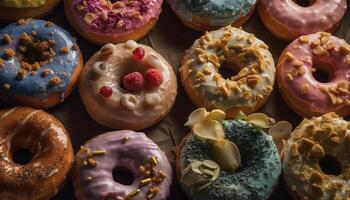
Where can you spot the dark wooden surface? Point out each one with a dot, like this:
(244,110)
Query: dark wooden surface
(170,38)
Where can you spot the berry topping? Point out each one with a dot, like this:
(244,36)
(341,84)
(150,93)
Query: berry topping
(106,91)
(138,53)
(153,78)
(133,82)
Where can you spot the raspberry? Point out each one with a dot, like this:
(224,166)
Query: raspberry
(138,53)
(133,82)
(106,91)
(153,78)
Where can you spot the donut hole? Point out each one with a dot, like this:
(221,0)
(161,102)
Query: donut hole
(227,72)
(22,156)
(322,71)
(304,3)
(113,1)
(330,165)
(123,175)
(29,144)
(31,49)
(131,66)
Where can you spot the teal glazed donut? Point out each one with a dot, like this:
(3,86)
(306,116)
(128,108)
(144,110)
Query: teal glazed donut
(257,175)
(212,14)
(39,63)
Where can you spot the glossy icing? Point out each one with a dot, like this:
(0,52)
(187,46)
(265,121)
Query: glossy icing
(309,143)
(125,108)
(322,15)
(137,150)
(260,168)
(52,157)
(217,13)
(62,65)
(295,73)
(119,18)
(242,52)
(22,3)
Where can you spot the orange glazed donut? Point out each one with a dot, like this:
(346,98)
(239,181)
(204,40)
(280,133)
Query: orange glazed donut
(13,10)
(287,20)
(23,128)
(304,94)
(127,86)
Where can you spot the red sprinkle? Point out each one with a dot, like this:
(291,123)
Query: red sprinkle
(138,53)
(134,82)
(106,91)
(153,78)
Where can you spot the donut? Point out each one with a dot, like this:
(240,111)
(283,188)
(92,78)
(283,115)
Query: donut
(127,86)
(13,10)
(39,64)
(103,161)
(226,159)
(101,21)
(212,14)
(315,159)
(306,95)
(288,19)
(241,53)
(50,149)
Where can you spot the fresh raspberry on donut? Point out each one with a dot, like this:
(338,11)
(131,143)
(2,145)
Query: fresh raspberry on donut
(138,53)
(153,78)
(134,82)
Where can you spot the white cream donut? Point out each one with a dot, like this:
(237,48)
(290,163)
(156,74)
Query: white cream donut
(239,51)
(124,109)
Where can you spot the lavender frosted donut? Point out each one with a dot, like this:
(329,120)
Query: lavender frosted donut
(102,21)
(114,152)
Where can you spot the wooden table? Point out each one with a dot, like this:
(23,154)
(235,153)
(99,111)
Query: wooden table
(170,38)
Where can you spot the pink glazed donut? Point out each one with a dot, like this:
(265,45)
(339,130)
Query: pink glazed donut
(104,158)
(299,87)
(101,21)
(288,20)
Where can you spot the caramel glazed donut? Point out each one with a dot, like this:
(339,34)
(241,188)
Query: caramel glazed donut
(23,128)
(13,10)
(287,20)
(240,52)
(297,85)
(316,159)
(110,103)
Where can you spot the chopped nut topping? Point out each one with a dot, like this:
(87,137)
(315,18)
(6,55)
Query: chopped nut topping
(23,22)
(7,86)
(21,74)
(49,24)
(317,151)
(305,89)
(55,81)
(304,39)
(345,49)
(2,64)
(7,39)
(316,177)
(75,47)
(9,53)
(315,43)
(290,77)
(89,18)
(64,50)
(305,145)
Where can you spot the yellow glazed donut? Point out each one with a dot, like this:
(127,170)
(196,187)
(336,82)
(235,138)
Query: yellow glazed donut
(238,51)
(116,94)
(316,159)
(13,10)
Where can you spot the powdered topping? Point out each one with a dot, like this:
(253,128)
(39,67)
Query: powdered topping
(105,16)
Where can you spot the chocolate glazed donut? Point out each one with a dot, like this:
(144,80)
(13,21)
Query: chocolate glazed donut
(47,141)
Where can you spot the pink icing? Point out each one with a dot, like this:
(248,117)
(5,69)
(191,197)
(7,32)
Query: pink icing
(131,153)
(317,100)
(107,15)
(320,16)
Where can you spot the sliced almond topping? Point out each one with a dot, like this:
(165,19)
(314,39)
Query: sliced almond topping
(315,43)
(345,49)
(305,89)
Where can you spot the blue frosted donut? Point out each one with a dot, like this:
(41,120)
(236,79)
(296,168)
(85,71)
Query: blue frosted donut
(257,175)
(39,63)
(212,14)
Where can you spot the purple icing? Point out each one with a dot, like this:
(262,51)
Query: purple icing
(131,154)
(122,10)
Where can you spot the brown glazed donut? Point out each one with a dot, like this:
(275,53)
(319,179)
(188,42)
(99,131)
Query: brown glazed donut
(49,144)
